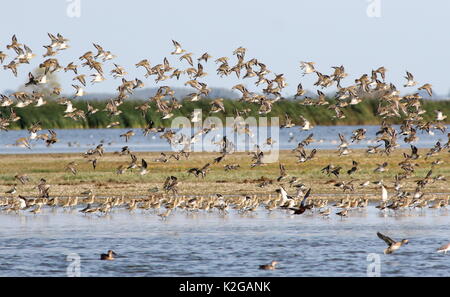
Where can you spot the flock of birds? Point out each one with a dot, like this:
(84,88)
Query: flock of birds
(391,105)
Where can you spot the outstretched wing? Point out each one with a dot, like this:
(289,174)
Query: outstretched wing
(282,170)
(303,204)
(386,239)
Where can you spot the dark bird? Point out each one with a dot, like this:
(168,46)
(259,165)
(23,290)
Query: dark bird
(270,266)
(303,207)
(353,169)
(336,171)
(199,172)
(108,256)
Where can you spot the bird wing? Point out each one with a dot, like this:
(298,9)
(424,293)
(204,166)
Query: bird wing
(389,241)
(305,197)
(282,169)
(384,194)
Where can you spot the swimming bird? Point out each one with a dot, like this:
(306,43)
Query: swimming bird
(392,244)
(270,266)
(444,248)
(108,256)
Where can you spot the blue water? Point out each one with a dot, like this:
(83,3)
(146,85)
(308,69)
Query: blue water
(209,244)
(80,140)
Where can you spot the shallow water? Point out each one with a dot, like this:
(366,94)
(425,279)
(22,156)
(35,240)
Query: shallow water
(208,244)
(80,140)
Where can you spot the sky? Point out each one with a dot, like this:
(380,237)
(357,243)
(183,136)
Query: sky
(359,34)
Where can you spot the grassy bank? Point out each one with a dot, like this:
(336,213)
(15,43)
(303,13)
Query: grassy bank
(244,180)
(361,114)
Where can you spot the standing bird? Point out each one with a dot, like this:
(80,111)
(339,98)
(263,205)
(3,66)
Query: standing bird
(128,135)
(343,213)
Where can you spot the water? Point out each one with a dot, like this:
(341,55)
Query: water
(80,140)
(207,244)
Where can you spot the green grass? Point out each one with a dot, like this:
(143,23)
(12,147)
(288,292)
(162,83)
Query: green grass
(242,181)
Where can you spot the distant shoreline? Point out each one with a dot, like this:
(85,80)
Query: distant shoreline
(364,113)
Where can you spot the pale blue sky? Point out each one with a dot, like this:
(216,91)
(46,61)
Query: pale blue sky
(410,35)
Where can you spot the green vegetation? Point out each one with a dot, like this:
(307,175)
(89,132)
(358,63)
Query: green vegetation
(245,180)
(51,115)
